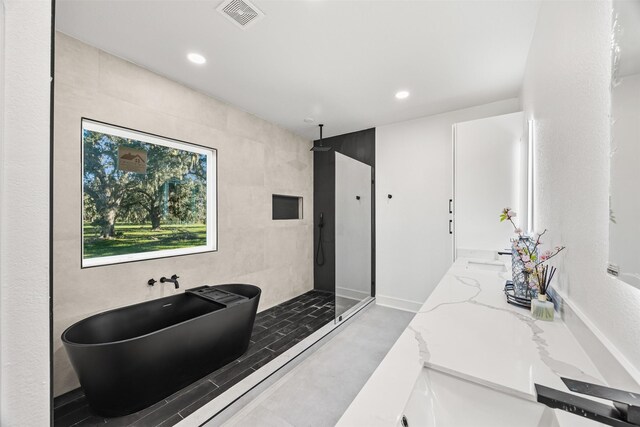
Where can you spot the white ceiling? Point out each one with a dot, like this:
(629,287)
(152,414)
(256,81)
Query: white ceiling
(340,62)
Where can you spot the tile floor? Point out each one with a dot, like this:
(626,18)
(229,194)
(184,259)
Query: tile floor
(275,331)
(318,391)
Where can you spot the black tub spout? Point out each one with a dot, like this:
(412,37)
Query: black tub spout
(174,280)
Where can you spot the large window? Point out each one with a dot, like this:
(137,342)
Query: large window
(144,196)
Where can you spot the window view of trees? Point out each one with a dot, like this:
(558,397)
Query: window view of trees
(162,205)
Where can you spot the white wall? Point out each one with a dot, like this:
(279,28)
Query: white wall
(625,197)
(488,177)
(255,159)
(566,90)
(2,102)
(414,165)
(24,214)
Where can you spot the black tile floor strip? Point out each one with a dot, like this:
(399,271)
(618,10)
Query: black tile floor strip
(275,330)
(68,398)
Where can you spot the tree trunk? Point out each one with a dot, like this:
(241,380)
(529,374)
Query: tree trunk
(109,224)
(155,216)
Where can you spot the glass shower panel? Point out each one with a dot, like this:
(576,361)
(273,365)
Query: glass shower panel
(353,233)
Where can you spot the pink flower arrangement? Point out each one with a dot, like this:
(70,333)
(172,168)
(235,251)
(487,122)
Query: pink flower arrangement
(533,265)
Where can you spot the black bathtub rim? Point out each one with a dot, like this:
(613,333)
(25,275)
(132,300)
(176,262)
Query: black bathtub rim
(86,319)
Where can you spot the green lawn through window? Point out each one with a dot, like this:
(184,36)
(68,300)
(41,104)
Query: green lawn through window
(136,238)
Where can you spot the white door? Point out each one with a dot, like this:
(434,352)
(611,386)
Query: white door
(489,175)
(353,232)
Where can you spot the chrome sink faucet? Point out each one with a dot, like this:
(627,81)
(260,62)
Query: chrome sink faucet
(173,279)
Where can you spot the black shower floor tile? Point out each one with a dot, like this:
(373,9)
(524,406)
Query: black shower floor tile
(276,330)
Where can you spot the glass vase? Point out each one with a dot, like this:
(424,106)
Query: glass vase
(520,276)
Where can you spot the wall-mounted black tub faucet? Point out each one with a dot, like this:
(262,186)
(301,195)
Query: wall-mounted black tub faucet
(174,280)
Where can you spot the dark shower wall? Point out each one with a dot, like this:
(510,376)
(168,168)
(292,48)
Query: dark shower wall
(357,145)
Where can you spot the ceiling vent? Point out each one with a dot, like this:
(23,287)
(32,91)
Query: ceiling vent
(240,12)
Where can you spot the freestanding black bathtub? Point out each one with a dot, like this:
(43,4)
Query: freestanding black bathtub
(129,358)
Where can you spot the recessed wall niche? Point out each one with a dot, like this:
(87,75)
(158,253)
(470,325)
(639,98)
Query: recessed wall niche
(286,207)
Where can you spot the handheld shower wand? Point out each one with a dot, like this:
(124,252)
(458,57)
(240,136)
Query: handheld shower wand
(320,250)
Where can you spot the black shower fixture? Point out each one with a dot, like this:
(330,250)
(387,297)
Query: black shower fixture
(320,147)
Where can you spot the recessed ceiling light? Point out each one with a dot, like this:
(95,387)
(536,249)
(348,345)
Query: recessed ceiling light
(196,58)
(309,120)
(402,94)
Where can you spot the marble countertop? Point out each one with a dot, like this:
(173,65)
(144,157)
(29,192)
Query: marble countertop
(468,330)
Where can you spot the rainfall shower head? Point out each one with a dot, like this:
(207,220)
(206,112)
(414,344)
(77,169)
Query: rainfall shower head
(320,147)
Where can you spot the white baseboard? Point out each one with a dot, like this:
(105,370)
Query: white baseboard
(352,293)
(398,303)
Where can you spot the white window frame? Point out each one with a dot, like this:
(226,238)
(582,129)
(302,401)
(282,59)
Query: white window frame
(212,215)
